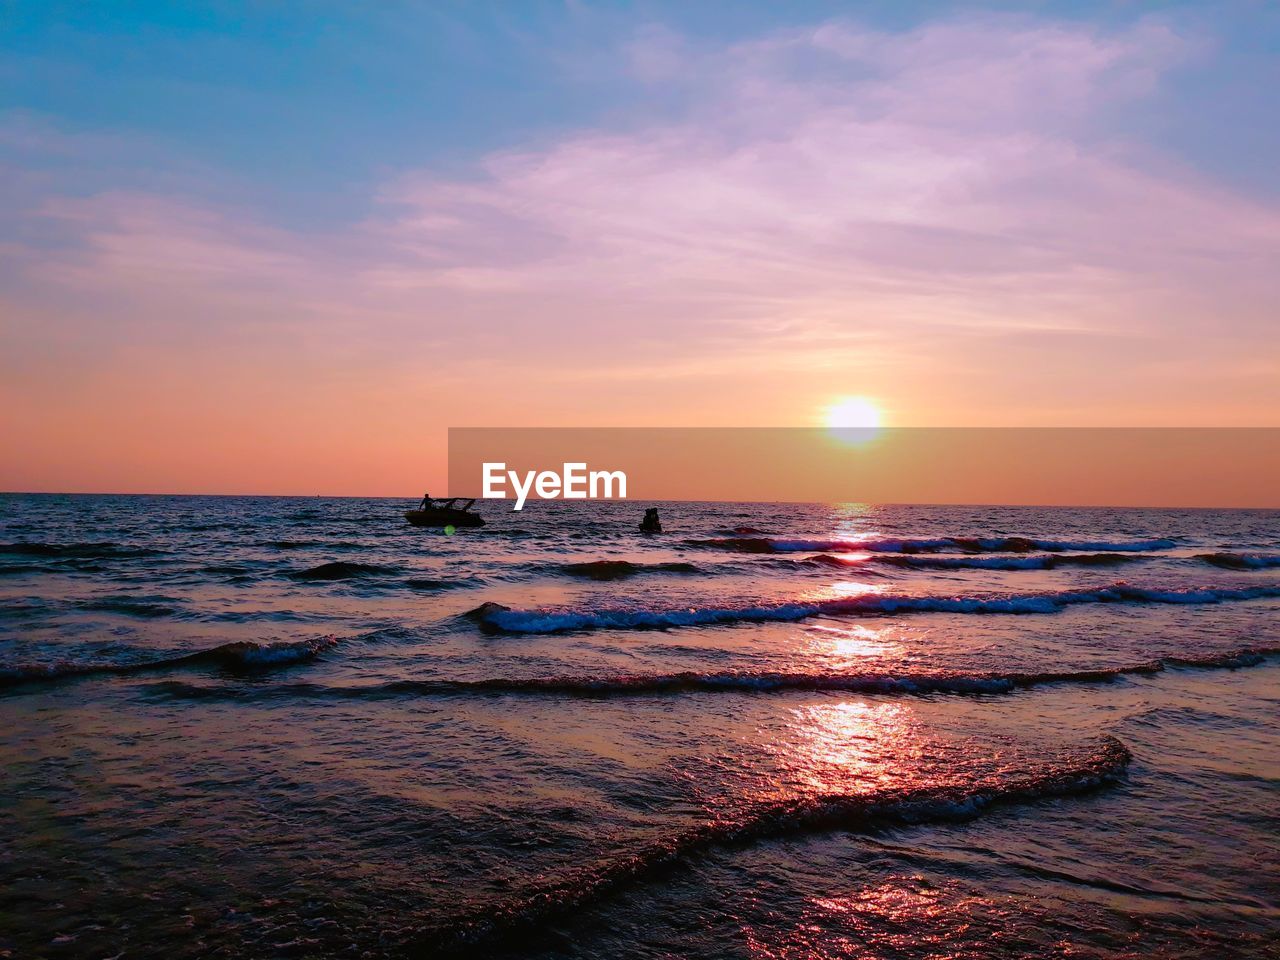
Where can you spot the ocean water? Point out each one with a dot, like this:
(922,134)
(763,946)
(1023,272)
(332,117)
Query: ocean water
(252,727)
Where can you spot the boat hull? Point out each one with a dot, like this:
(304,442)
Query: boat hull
(444,517)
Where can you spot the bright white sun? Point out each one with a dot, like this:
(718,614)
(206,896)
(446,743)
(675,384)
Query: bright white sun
(851,413)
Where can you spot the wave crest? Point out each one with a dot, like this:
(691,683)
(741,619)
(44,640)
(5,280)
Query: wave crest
(500,618)
(1240,561)
(242,654)
(932,545)
(1050,561)
(1072,773)
(743,682)
(618,569)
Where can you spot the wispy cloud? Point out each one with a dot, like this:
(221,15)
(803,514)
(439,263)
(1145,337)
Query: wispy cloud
(967,159)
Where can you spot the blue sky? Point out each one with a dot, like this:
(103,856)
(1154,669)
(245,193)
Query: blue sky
(303,106)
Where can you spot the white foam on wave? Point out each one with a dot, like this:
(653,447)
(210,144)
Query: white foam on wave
(973,563)
(934,545)
(510,620)
(1094,546)
(1241,561)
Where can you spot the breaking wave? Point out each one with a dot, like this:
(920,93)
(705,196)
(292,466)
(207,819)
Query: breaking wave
(1072,773)
(1051,561)
(744,682)
(764,682)
(1240,561)
(618,569)
(827,560)
(495,616)
(242,654)
(932,545)
(1042,562)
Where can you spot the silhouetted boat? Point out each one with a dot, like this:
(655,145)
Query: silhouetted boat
(443,513)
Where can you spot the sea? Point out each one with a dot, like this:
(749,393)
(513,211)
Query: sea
(276,726)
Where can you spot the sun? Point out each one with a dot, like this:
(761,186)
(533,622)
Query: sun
(852,413)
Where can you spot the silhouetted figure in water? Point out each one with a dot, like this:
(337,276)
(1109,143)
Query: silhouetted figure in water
(651,523)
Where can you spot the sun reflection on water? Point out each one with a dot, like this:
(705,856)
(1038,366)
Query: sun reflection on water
(853,588)
(905,915)
(853,520)
(849,747)
(851,558)
(846,647)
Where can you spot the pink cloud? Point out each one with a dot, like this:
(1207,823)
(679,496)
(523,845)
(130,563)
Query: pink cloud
(966,150)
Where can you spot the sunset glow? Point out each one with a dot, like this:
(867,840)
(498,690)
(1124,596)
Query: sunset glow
(852,413)
(596,480)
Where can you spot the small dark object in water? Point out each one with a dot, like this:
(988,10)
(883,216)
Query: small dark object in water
(444,513)
(651,523)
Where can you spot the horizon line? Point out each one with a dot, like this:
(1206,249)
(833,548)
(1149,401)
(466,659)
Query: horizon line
(480,500)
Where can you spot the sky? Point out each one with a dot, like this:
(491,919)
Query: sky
(281,248)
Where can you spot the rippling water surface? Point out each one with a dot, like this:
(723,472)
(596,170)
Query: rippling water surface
(285,726)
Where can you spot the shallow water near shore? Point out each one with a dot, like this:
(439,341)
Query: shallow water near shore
(298,726)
